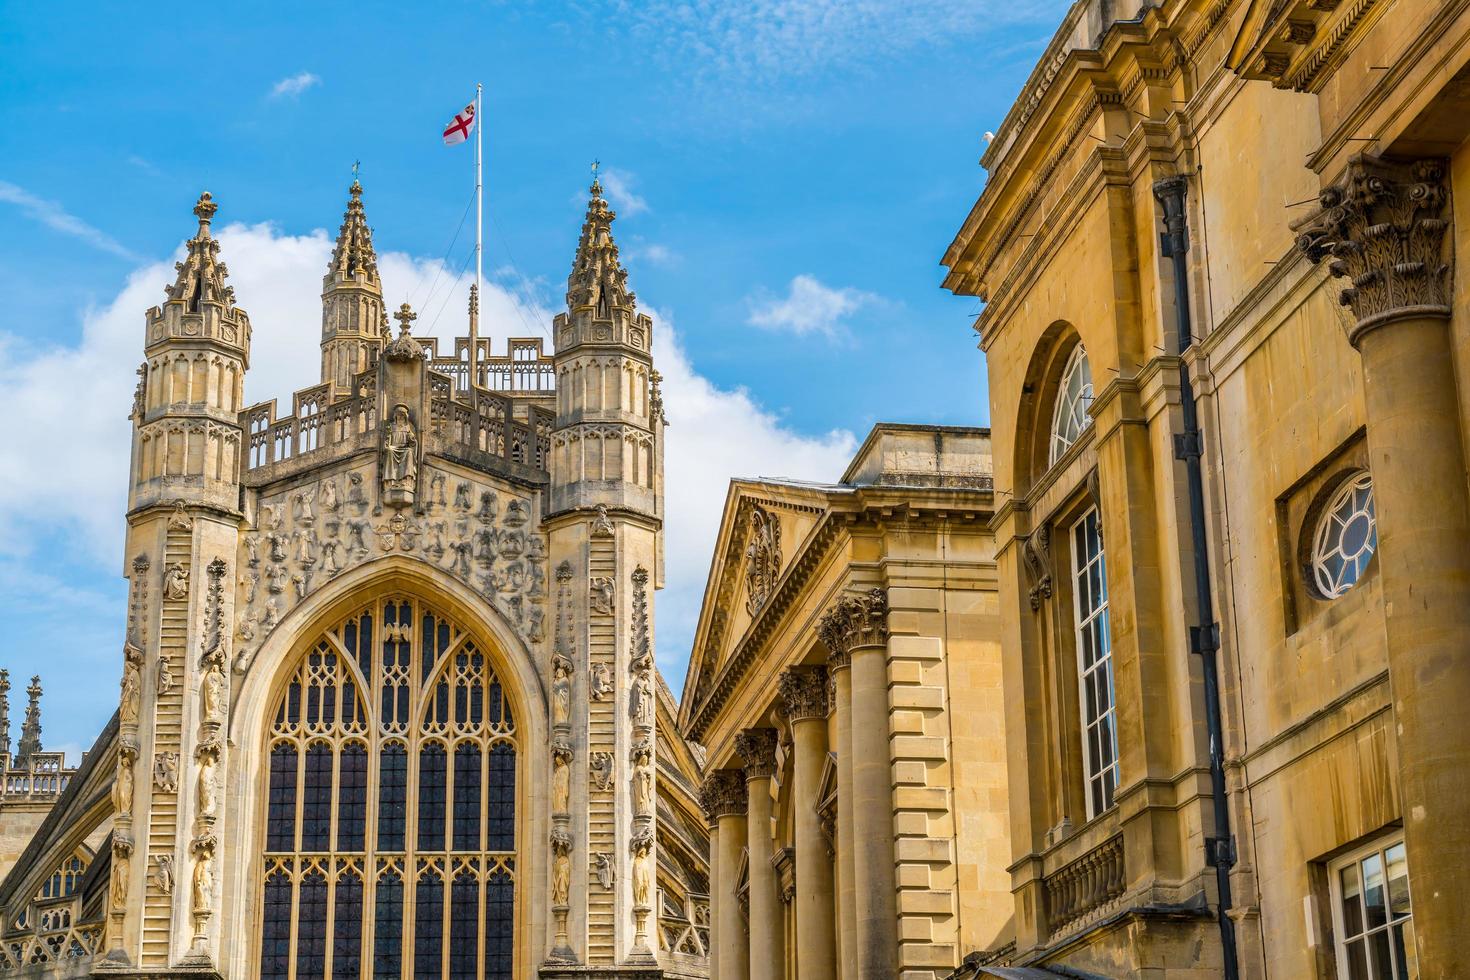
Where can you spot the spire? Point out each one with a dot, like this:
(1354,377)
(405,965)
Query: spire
(598,281)
(4,712)
(354,263)
(30,729)
(201,276)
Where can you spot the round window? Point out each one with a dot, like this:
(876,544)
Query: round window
(1346,538)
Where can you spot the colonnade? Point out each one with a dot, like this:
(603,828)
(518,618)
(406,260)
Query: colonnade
(840,902)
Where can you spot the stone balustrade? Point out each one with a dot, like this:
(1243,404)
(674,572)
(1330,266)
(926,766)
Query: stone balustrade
(1085,885)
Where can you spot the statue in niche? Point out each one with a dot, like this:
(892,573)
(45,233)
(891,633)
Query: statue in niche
(208,792)
(400,459)
(302,499)
(246,629)
(561,868)
(561,690)
(329,557)
(642,698)
(331,503)
(277,542)
(165,675)
(212,695)
(132,685)
(601,595)
(176,582)
(304,543)
(272,613)
(462,496)
(642,872)
(436,539)
(488,506)
(122,785)
(355,495)
(516,513)
(486,550)
(275,579)
(252,549)
(436,490)
(122,849)
(536,630)
(298,581)
(203,880)
(251,581)
(561,778)
(357,537)
(643,780)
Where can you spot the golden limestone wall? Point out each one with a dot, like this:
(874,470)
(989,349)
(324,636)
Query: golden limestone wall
(1310,142)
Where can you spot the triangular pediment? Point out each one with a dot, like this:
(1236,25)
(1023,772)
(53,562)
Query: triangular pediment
(765,527)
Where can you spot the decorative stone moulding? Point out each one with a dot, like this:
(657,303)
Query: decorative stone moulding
(1382,228)
(854,621)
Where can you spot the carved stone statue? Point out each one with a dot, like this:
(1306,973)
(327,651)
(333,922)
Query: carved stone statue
(561,778)
(208,790)
(642,785)
(163,873)
(165,676)
(132,685)
(166,772)
(600,591)
(176,582)
(601,767)
(561,868)
(601,684)
(561,690)
(122,850)
(204,881)
(122,786)
(212,696)
(643,871)
(400,459)
(642,698)
(607,871)
(762,559)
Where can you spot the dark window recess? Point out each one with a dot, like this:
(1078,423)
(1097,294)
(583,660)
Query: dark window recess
(280,820)
(316,800)
(347,928)
(388,929)
(467,797)
(392,796)
(365,645)
(352,798)
(311,928)
(464,927)
(293,703)
(432,760)
(501,797)
(428,930)
(500,914)
(275,944)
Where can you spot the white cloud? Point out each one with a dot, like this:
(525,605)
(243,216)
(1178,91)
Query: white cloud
(715,433)
(764,41)
(808,307)
(57,218)
(651,252)
(292,87)
(618,185)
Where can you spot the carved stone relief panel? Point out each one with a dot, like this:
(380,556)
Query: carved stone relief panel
(306,535)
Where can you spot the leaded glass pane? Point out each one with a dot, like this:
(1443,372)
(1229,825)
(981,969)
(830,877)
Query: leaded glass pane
(311,927)
(280,821)
(347,927)
(428,931)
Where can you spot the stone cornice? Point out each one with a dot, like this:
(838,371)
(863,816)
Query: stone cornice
(757,749)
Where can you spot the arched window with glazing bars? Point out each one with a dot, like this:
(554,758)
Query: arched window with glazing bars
(390,810)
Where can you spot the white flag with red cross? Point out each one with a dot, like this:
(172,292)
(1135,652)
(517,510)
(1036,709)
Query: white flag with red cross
(463,125)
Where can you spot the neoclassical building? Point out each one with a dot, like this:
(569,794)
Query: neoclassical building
(1226,340)
(388,701)
(846,683)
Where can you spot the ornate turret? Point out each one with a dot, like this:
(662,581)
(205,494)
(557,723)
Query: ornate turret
(4,712)
(30,729)
(187,437)
(353,316)
(606,446)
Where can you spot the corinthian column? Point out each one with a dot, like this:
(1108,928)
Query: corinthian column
(723,801)
(804,690)
(838,664)
(1383,228)
(857,628)
(757,749)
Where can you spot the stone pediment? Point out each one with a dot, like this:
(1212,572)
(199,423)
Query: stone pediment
(1298,44)
(764,527)
(480,530)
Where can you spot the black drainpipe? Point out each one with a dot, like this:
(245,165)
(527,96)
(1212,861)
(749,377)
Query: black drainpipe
(1204,639)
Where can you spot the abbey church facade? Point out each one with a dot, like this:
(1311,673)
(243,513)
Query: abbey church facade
(388,701)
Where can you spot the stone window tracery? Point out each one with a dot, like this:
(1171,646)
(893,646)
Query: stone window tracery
(1074,396)
(390,805)
(1346,537)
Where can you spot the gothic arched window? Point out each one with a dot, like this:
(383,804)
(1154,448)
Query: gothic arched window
(390,805)
(1074,395)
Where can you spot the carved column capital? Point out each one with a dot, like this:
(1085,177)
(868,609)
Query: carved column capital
(804,690)
(1382,227)
(854,621)
(757,749)
(723,794)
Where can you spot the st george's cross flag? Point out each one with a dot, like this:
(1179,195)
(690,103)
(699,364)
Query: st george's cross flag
(460,128)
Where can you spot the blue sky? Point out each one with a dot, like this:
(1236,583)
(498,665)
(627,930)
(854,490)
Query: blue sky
(787,176)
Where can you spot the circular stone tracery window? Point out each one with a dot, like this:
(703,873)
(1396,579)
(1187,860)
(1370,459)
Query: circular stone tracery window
(1346,537)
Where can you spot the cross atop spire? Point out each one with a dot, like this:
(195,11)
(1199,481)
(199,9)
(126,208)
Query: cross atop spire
(201,276)
(598,280)
(353,260)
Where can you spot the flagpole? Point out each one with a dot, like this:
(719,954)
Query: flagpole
(479,231)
